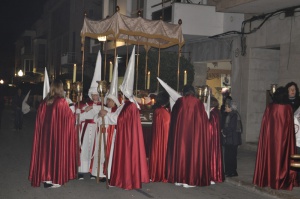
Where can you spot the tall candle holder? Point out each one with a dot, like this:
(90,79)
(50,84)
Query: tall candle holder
(273,89)
(68,88)
(200,92)
(102,90)
(77,88)
(206,91)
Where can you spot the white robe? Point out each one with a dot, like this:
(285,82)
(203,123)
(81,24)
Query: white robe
(110,119)
(90,138)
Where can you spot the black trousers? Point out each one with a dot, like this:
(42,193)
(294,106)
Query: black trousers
(230,154)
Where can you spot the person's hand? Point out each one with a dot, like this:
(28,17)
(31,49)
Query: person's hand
(102,113)
(87,109)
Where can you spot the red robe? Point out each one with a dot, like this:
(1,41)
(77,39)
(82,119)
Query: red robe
(216,161)
(275,146)
(129,165)
(160,133)
(188,146)
(110,132)
(54,145)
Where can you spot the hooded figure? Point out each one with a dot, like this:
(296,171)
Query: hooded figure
(276,144)
(25,106)
(129,165)
(216,161)
(112,104)
(174,95)
(188,161)
(160,133)
(46,87)
(89,135)
(96,77)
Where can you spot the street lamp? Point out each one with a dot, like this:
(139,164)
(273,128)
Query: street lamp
(1,81)
(20,73)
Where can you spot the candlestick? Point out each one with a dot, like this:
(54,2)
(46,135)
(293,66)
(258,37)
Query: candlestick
(68,85)
(148,80)
(143,101)
(74,73)
(110,71)
(185,78)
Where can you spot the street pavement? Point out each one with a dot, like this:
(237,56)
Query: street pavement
(15,153)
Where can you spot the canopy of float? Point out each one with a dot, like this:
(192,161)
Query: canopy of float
(139,31)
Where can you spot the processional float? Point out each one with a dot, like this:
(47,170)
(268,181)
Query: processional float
(135,31)
(132,31)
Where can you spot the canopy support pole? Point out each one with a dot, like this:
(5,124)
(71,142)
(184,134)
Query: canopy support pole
(115,49)
(137,69)
(127,50)
(146,70)
(104,46)
(82,59)
(178,65)
(158,68)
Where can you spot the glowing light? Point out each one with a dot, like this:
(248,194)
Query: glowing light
(101,38)
(20,73)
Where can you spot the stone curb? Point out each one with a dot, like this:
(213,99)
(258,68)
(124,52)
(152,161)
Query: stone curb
(264,191)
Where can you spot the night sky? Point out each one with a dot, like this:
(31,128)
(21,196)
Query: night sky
(16,16)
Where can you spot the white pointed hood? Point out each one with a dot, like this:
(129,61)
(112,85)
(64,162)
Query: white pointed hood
(113,90)
(173,94)
(46,88)
(25,106)
(96,77)
(127,86)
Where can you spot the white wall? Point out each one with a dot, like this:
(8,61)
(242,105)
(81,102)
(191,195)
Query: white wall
(203,20)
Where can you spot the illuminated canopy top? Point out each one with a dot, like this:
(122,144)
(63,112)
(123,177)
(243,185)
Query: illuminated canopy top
(139,31)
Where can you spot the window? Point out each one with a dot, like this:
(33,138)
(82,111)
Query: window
(28,65)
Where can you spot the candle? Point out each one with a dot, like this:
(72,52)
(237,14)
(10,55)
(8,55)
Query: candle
(68,85)
(200,92)
(74,73)
(205,91)
(152,101)
(143,101)
(110,71)
(185,78)
(148,80)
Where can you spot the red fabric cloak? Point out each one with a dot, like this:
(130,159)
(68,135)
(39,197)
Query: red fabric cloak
(129,165)
(160,133)
(110,132)
(53,155)
(216,161)
(188,146)
(275,146)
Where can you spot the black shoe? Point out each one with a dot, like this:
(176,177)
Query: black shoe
(232,175)
(103,180)
(92,177)
(47,185)
(80,177)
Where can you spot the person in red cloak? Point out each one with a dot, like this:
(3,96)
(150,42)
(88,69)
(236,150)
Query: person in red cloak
(160,133)
(216,162)
(129,165)
(276,144)
(188,161)
(53,158)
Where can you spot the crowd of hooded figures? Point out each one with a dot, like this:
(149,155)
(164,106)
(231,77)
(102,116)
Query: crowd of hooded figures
(193,143)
